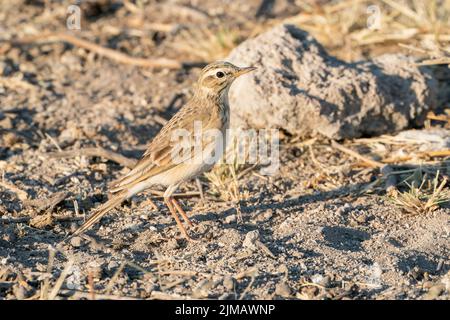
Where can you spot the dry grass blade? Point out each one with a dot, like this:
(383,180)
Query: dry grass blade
(106,52)
(348,28)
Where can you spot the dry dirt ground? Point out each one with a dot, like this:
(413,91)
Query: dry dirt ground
(319,237)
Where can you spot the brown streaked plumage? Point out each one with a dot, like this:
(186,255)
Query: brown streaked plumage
(209,106)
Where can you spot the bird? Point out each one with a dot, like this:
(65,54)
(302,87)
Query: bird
(161,164)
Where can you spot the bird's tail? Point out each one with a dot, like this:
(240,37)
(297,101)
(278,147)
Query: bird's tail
(101,211)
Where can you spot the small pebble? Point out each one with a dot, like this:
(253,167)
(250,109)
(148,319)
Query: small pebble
(98,176)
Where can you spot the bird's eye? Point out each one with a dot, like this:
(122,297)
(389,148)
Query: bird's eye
(220,74)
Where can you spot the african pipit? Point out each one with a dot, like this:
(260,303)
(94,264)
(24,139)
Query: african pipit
(162,165)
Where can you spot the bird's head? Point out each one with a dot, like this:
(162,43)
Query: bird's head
(218,76)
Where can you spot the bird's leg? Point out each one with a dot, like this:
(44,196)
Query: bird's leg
(182,212)
(168,202)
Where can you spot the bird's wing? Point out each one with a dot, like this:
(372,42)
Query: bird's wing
(158,156)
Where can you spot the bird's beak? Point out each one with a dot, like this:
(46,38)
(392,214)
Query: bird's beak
(245,70)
